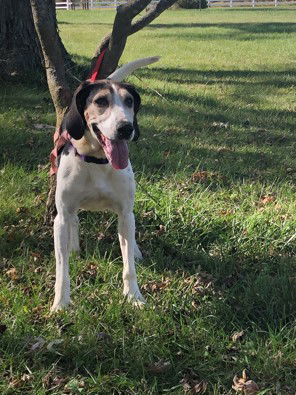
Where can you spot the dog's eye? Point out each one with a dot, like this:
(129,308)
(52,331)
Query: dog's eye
(128,102)
(102,102)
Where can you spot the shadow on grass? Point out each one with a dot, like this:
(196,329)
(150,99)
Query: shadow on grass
(249,27)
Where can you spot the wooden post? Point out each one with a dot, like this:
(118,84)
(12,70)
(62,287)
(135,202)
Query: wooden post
(230,3)
(68,4)
(253,3)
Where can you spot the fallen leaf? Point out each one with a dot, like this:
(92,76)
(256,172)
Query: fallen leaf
(159,367)
(51,381)
(220,125)
(13,274)
(156,286)
(200,176)
(192,384)
(247,387)
(36,257)
(160,230)
(21,210)
(18,382)
(226,212)
(265,199)
(237,336)
(200,388)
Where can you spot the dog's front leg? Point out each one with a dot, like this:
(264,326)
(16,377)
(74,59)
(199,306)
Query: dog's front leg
(126,233)
(62,248)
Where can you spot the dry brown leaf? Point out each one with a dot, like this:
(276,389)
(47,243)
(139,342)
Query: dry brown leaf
(226,212)
(36,256)
(200,176)
(156,286)
(265,199)
(200,388)
(245,386)
(191,383)
(13,274)
(16,383)
(160,230)
(159,367)
(220,125)
(50,381)
(237,336)
(20,210)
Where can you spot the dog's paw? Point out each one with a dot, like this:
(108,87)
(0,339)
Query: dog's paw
(59,306)
(135,297)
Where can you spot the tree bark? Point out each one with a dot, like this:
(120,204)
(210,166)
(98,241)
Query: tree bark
(20,51)
(45,21)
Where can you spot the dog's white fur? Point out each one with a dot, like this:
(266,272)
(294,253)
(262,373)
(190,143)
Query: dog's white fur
(90,186)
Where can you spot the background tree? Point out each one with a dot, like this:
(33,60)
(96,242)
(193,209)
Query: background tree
(19,44)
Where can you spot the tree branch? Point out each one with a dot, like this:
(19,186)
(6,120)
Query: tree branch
(54,54)
(151,14)
(123,27)
(117,39)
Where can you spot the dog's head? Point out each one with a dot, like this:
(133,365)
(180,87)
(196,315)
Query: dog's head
(109,110)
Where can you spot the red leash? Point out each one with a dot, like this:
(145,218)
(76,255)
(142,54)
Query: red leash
(61,137)
(94,73)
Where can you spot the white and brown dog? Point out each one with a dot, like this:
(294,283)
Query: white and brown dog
(95,173)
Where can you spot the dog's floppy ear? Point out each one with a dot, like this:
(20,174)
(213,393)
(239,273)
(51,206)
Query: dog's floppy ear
(137,105)
(74,121)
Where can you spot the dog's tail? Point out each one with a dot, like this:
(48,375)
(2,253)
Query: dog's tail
(121,73)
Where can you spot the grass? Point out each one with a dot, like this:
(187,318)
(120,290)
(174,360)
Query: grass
(216,170)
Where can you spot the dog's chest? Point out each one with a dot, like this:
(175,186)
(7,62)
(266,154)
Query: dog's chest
(108,189)
(93,186)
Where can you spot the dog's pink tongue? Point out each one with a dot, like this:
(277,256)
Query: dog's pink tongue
(116,152)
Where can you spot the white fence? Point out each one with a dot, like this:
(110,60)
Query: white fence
(249,3)
(92,4)
(89,4)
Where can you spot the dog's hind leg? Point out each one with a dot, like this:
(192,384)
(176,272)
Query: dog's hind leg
(74,234)
(126,233)
(137,251)
(62,250)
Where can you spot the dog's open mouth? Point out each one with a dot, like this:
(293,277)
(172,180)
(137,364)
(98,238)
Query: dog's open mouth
(116,151)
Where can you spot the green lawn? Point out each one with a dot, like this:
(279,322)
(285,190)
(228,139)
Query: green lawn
(215,209)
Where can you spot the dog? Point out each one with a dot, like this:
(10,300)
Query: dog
(94,173)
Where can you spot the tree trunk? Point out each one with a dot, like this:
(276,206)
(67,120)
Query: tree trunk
(19,45)
(45,21)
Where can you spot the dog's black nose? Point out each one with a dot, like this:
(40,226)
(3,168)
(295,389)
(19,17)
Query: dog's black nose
(124,130)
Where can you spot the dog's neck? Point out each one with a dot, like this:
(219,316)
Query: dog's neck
(88,145)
